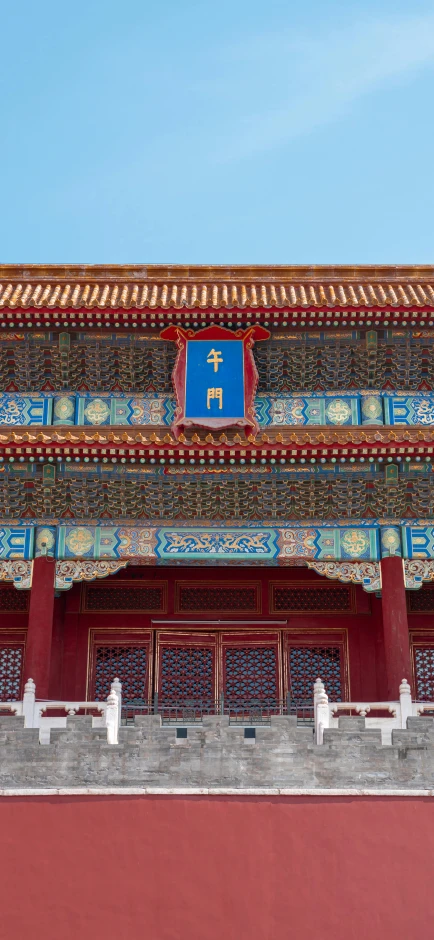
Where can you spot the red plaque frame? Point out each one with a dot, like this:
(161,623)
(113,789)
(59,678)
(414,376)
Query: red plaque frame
(219,334)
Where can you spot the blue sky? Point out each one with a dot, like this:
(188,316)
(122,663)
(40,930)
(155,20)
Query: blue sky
(243,131)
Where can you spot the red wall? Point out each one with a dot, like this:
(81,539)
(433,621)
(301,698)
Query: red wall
(363,629)
(197,868)
(72,625)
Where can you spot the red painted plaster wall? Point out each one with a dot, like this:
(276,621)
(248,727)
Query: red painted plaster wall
(198,868)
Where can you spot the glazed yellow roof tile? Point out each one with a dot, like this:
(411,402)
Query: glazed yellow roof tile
(180,287)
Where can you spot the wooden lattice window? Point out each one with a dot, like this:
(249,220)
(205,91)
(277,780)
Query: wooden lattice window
(187,674)
(231,598)
(126,596)
(308,663)
(11,671)
(126,662)
(13,600)
(423,658)
(187,669)
(307,598)
(250,674)
(421,601)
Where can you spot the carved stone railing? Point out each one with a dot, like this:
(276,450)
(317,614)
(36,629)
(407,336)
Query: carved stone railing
(35,711)
(393,715)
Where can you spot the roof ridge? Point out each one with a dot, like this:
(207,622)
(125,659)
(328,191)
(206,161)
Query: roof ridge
(218,273)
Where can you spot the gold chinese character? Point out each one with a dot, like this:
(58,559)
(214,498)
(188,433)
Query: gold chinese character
(213,359)
(216,393)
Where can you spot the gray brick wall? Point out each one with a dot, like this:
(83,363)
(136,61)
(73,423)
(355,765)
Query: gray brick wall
(215,754)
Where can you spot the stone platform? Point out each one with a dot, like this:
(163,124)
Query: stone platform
(216,754)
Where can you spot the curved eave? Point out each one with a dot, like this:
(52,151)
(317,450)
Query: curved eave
(238,288)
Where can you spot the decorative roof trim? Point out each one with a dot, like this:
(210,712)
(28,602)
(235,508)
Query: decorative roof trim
(218,272)
(178,287)
(159,442)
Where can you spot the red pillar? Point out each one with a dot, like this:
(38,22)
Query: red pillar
(40,625)
(395,625)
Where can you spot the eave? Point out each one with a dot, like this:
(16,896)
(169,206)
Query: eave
(136,296)
(159,445)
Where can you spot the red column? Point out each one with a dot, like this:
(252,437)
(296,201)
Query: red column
(395,625)
(40,626)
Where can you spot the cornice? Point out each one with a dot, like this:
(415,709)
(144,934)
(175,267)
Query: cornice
(128,296)
(162,436)
(159,442)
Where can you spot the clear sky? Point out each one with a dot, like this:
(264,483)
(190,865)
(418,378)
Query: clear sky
(197,131)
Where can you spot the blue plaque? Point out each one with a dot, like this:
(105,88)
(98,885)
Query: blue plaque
(214,379)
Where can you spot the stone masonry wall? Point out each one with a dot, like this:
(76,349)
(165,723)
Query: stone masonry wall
(215,754)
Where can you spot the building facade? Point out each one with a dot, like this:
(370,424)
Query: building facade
(216,489)
(236,560)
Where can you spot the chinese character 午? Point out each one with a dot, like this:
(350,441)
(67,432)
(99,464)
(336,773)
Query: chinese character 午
(215,358)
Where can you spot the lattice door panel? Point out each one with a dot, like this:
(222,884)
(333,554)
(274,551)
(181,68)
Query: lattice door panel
(423,661)
(187,669)
(126,661)
(250,670)
(11,672)
(307,663)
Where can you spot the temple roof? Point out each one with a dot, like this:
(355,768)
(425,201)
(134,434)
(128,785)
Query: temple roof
(221,287)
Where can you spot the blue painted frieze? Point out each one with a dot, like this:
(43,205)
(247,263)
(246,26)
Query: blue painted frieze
(325,543)
(214,543)
(265,544)
(25,409)
(16,542)
(418,541)
(360,408)
(409,409)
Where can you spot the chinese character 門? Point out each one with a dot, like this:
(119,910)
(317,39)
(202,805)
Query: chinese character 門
(216,393)
(215,358)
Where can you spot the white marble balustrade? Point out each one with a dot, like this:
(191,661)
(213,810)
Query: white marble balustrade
(35,712)
(394,715)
